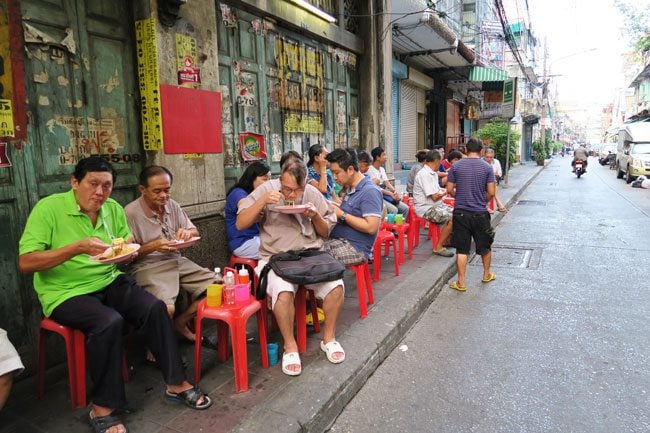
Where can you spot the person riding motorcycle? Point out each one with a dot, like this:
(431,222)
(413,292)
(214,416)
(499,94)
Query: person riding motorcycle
(582,155)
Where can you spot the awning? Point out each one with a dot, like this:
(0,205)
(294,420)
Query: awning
(422,38)
(479,73)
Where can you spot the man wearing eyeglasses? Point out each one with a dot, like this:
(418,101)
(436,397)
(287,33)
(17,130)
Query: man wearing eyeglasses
(293,216)
(160,225)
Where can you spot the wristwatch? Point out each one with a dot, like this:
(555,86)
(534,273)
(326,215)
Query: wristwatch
(343,216)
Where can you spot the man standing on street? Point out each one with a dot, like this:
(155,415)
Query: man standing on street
(471,180)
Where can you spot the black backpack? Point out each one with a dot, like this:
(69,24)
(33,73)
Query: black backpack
(301,267)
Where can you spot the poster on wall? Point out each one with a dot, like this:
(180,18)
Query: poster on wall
(252,146)
(189,75)
(148,80)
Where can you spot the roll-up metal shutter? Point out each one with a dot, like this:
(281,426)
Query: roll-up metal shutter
(395,109)
(408,122)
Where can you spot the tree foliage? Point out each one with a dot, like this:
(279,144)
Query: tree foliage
(636,28)
(495,135)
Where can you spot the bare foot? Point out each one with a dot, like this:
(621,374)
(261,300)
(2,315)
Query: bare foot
(182,329)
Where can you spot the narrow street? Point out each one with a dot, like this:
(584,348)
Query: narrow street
(559,342)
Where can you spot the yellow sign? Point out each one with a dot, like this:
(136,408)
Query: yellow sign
(6,82)
(145,35)
(6,118)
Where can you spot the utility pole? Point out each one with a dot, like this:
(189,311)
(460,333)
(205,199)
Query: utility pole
(542,122)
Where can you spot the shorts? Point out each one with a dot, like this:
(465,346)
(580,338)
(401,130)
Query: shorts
(249,249)
(468,225)
(438,214)
(9,359)
(276,285)
(164,279)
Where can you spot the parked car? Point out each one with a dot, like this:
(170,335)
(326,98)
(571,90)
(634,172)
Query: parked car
(633,151)
(607,152)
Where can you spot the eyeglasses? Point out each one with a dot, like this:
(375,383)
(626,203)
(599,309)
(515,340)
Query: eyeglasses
(288,191)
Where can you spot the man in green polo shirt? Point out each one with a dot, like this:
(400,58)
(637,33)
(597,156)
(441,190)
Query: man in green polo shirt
(63,231)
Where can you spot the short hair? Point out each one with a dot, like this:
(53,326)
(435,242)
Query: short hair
(489,151)
(438,147)
(252,172)
(289,155)
(474,145)
(364,156)
(454,154)
(314,151)
(297,169)
(432,155)
(419,155)
(154,170)
(93,163)
(344,158)
(376,153)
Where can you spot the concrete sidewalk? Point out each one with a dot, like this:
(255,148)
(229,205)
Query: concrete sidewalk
(274,402)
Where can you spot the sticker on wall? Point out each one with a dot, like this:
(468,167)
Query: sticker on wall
(6,119)
(276,144)
(189,75)
(259,27)
(4,159)
(244,85)
(228,16)
(252,146)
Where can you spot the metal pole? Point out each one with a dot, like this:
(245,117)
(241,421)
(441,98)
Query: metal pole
(505,179)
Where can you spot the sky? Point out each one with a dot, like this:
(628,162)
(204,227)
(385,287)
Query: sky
(585,47)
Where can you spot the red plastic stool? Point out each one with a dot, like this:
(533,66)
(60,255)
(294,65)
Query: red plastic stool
(364,286)
(75,347)
(386,239)
(235,318)
(417,223)
(434,234)
(250,264)
(403,231)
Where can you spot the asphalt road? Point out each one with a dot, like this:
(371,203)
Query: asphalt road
(559,342)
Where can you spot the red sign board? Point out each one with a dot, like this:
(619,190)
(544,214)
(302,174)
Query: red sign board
(191,120)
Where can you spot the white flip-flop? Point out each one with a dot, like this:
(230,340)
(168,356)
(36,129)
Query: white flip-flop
(330,349)
(291,358)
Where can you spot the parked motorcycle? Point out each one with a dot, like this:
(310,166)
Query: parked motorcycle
(579,168)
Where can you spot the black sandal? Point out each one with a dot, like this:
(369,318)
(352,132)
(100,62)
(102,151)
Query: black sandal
(102,423)
(189,398)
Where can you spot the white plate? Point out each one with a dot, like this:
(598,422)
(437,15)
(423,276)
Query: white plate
(299,208)
(106,258)
(179,245)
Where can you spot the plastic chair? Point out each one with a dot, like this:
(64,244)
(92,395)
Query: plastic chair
(75,347)
(416,224)
(386,239)
(364,286)
(402,231)
(233,317)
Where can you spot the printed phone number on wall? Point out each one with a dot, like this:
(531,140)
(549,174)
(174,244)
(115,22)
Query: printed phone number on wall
(115,158)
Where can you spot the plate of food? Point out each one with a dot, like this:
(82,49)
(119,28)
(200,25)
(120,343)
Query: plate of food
(296,208)
(118,252)
(179,244)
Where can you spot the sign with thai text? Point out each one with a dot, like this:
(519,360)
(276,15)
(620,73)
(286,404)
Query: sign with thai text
(148,80)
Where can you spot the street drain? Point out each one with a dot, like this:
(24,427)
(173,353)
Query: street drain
(512,257)
(532,202)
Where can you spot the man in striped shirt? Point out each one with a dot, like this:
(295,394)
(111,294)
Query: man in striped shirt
(471,180)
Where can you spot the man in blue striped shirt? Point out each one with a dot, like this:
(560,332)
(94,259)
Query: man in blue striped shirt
(471,180)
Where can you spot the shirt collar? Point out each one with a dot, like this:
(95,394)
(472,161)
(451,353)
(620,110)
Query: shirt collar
(150,213)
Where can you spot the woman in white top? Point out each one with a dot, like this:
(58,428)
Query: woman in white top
(496,167)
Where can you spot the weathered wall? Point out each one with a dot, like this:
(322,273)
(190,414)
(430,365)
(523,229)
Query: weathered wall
(198,182)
